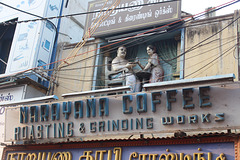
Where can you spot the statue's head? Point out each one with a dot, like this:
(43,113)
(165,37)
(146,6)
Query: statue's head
(151,49)
(122,51)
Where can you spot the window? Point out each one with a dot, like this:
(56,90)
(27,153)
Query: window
(167,46)
(6,37)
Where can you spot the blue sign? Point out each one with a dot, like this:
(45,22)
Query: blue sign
(207,151)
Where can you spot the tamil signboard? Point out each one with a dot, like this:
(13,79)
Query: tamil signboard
(8,95)
(164,111)
(125,150)
(130,15)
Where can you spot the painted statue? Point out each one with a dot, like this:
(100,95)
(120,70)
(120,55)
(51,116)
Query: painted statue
(153,65)
(121,64)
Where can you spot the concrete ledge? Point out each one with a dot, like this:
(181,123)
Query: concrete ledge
(30,101)
(99,91)
(202,81)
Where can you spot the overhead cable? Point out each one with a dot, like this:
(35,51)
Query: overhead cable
(150,30)
(133,36)
(77,14)
(11,22)
(90,31)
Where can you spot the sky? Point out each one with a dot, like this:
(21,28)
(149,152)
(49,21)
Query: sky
(197,6)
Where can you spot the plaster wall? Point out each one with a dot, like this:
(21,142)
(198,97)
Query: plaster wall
(215,56)
(77,75)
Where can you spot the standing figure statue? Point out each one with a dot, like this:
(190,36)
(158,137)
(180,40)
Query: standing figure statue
(153,65)
(121,64)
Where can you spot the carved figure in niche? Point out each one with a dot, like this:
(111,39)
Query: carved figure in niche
(119,63)
(153,65)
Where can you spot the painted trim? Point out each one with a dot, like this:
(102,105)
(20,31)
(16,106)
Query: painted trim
(99,91)
(30,100)
(220,78)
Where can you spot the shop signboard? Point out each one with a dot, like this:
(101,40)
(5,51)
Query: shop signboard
(206,151)
(8,95)
(126,17)
(11,94)
(165,111)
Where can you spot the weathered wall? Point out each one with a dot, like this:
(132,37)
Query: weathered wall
(215,56)
(76,76)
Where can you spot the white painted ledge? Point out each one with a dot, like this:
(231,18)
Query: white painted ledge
(190,82)
(98,92)
(30,101)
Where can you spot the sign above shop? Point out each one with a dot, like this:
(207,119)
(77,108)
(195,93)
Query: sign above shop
(187,109)
(207,151)
(126,17)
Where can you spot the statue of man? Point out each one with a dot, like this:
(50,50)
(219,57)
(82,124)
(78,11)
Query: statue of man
(120,63)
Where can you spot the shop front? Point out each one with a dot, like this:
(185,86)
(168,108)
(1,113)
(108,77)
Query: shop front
(80,128)
(201,147)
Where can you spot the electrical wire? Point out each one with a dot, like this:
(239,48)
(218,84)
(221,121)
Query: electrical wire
(211,49)
(20,10)
(76,14)
(164,75)
(205,39)
(204,60)
(208,58)
(113,48)
(150,30)
(233,1)
(90,31)
(146,58)
(198,15)
(210,62)
(6,23)
(209,67)
(141,58)
(67,88)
